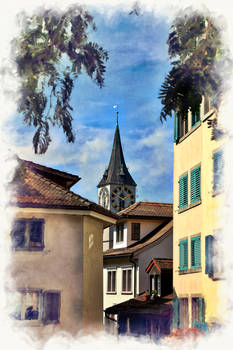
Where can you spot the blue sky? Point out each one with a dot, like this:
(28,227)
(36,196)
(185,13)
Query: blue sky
(135,70)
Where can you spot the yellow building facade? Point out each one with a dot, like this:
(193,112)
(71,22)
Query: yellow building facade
(198,197)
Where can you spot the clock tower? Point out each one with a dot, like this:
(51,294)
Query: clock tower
(117,189)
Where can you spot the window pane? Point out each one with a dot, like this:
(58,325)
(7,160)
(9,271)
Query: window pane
(129,280)
(31,305)
(113,281)
(18,233)
(124,281)
(135,228)
(109,282)
(35,229)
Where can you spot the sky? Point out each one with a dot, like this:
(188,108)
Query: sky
(137,65)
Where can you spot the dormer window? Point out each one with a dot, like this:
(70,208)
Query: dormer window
(27,234)
(135,231)
(120,233)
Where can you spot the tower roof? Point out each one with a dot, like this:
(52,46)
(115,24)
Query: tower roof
(117,172)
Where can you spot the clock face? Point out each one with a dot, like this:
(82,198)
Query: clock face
(122,197)
(104,197)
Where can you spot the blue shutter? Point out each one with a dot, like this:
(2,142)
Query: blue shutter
(176,128)
(183,191)
(209,255)
(195,187)
(183,255)
(218,167)
(195,252)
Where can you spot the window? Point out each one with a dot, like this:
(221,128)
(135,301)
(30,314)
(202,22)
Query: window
(180,126)
(27,234)
(195,252)
(198,310)
(127,280)
(120,233)
(183,191)
(31,305)
(183,313)
(135,231)
(183,125)
(195,117)
(218,165)
(183,254)
(111,282)
(195,179)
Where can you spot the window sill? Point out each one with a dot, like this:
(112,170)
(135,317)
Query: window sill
(28,323)
(28,249)
(184,272)
(190,206)
(126,293)
(182,138)
(111,293)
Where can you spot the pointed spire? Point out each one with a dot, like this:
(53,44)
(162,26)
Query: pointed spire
(117,172)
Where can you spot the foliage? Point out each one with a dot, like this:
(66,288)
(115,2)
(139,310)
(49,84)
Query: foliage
(196,49)
(51,52)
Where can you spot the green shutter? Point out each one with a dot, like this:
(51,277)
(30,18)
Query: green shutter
(183,255)
(218,167)
(195,252)
(183,191)
(195,186)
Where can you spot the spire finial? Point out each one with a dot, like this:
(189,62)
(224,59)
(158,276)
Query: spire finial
(116,107)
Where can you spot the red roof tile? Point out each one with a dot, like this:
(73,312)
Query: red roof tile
(31,189)
(147,209)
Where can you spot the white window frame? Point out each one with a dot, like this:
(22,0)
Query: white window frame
(111,272)
(127,289)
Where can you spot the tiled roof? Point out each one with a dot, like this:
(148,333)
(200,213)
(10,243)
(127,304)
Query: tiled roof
(30,189)
(147,209)
(136,247)
(62,178)
(117,171)
(157,306)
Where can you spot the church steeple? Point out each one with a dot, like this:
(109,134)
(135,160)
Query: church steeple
(117,172)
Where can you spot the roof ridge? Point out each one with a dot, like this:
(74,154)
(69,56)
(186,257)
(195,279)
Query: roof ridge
(57,186)
(29,162)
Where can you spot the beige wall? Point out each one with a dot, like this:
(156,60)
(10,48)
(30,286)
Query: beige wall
(196,149)
(70,263)
(53,268)
(92,273)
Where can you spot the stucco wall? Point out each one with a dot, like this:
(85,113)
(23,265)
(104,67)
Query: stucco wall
(118,297)
(58,267)
(196,149)
(146,226)
(92,273)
